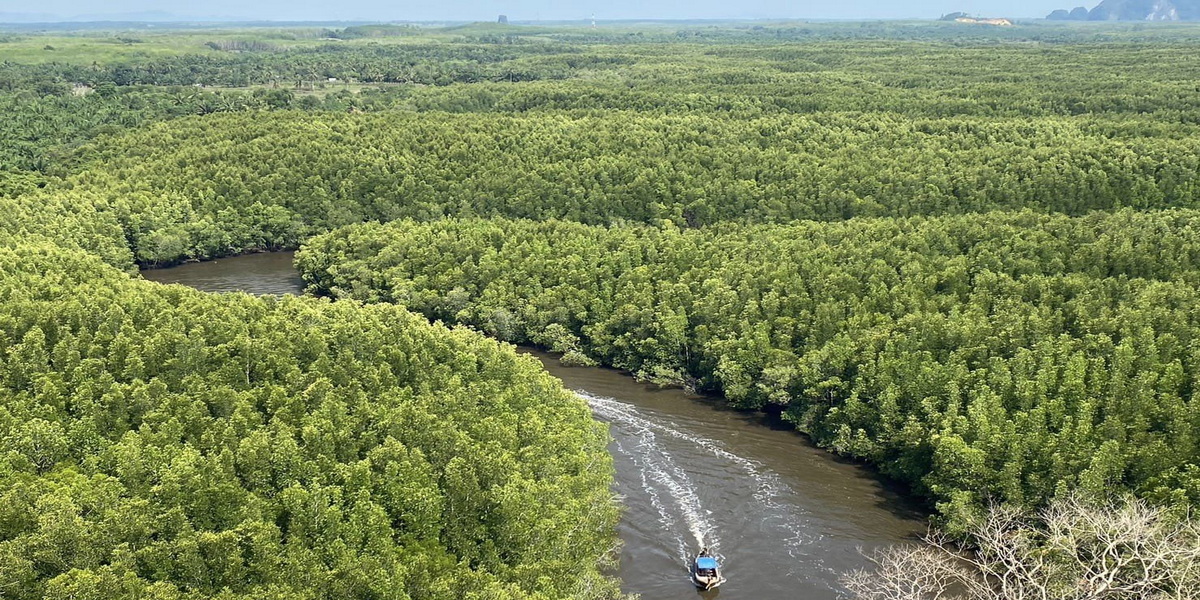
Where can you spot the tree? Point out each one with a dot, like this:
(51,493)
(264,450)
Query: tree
(1074,549)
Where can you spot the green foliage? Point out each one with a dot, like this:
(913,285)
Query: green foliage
(1011,356)
(692,123)
(159,442)
(256,177)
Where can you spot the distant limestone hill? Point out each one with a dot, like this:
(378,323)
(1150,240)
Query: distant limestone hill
(1133,10)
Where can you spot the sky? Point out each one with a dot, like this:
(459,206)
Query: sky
(523,10)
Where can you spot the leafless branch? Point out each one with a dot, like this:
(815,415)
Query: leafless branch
(1074,549)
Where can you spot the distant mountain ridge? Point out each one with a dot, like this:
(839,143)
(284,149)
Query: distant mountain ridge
(1133,10)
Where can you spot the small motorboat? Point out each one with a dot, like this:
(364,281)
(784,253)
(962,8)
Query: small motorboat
(706,571)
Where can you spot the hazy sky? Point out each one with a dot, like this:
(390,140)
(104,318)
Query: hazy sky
(544,9)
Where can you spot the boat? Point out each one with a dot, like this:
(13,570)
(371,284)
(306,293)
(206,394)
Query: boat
(706,571)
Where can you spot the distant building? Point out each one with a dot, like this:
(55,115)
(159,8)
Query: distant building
(503,20)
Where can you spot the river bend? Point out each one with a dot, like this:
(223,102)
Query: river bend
(785,517)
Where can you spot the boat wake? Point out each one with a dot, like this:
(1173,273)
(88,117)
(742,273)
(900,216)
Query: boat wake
(673,493)
(670,489)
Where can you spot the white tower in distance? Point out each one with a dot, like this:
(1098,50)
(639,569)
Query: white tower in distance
(593,20)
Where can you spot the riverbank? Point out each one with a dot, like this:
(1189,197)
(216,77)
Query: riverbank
(787,518)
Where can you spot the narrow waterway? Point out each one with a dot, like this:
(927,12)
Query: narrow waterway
(785,517)
(262,273)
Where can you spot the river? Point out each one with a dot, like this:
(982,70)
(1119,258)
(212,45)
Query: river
(786,518)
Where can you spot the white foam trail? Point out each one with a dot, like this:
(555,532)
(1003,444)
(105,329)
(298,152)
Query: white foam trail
(667,485)
(768,487)
(658,466)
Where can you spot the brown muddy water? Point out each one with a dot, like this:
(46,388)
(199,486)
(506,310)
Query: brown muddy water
(265,273)
(785,518)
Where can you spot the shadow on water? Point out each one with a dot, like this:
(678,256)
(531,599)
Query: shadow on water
(895,497)
(786,517)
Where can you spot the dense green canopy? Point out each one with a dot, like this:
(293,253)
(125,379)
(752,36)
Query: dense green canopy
(219,185)
(1013,356)
(160,442)
(965,255)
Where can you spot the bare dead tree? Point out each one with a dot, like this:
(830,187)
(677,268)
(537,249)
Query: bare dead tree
(1074,549)
(907,572)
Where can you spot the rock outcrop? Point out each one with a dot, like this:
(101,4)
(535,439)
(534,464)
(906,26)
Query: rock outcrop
(1133,10)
